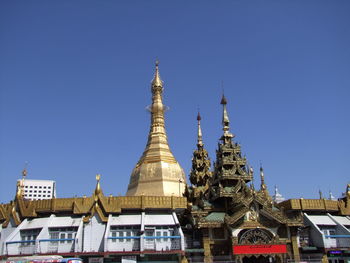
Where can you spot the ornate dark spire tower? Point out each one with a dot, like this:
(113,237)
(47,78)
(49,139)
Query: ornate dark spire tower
(230,172)
(157,173)
(200,172)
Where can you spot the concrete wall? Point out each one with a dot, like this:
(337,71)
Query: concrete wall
(93,235)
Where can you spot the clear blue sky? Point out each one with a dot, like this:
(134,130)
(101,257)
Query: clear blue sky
(75,81)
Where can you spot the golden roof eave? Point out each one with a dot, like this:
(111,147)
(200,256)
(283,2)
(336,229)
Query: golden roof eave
(86,206)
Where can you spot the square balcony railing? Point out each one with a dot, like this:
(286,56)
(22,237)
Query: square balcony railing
(120,244)
(336,241)
(150,243)
(162,243)
(56,245)
(26,247)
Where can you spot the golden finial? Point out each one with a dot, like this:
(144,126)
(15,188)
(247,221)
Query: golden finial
(98,187)
(19,190)
(157,82)
(263,186)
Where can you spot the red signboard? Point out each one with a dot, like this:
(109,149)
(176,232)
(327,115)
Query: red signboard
(259,249)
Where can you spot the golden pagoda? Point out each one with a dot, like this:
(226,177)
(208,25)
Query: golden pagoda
(157,173)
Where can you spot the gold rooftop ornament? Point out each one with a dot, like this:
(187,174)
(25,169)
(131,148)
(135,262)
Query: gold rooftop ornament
(157,173)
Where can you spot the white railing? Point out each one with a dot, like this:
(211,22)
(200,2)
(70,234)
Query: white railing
(116,244)
(162,243)
(56,245)
(335,241)
(27,249)
(20,247)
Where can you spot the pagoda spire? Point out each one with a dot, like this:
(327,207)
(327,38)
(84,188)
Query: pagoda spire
(277,197)
(262,178)
(200,139)
(157,172)
(200,172)
(225,119)
(157,148)
(157,81)
(263,187)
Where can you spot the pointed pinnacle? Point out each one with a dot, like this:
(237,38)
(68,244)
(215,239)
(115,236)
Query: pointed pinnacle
(225,119)
(200,140)
(223,100)
(198,116)
(157,82)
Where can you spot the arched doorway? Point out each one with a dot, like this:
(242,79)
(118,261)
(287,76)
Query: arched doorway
(255,245)
(255,236)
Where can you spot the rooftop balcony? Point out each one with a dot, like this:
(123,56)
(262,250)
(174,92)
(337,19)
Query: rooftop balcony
(48,246)
(121,244)
(162,243)
(20,247)
(143,243)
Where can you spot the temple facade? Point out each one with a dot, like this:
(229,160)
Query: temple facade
(219,216)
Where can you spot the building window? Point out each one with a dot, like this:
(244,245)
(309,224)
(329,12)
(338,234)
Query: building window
(62,234)
(327,232)
(54,236)
(128,234)
(125,233)
(158,234)
(121,234)
(165,233)
(114,234)
(29,235)
(69,236)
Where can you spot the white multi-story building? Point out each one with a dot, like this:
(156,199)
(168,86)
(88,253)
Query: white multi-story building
(37,189)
